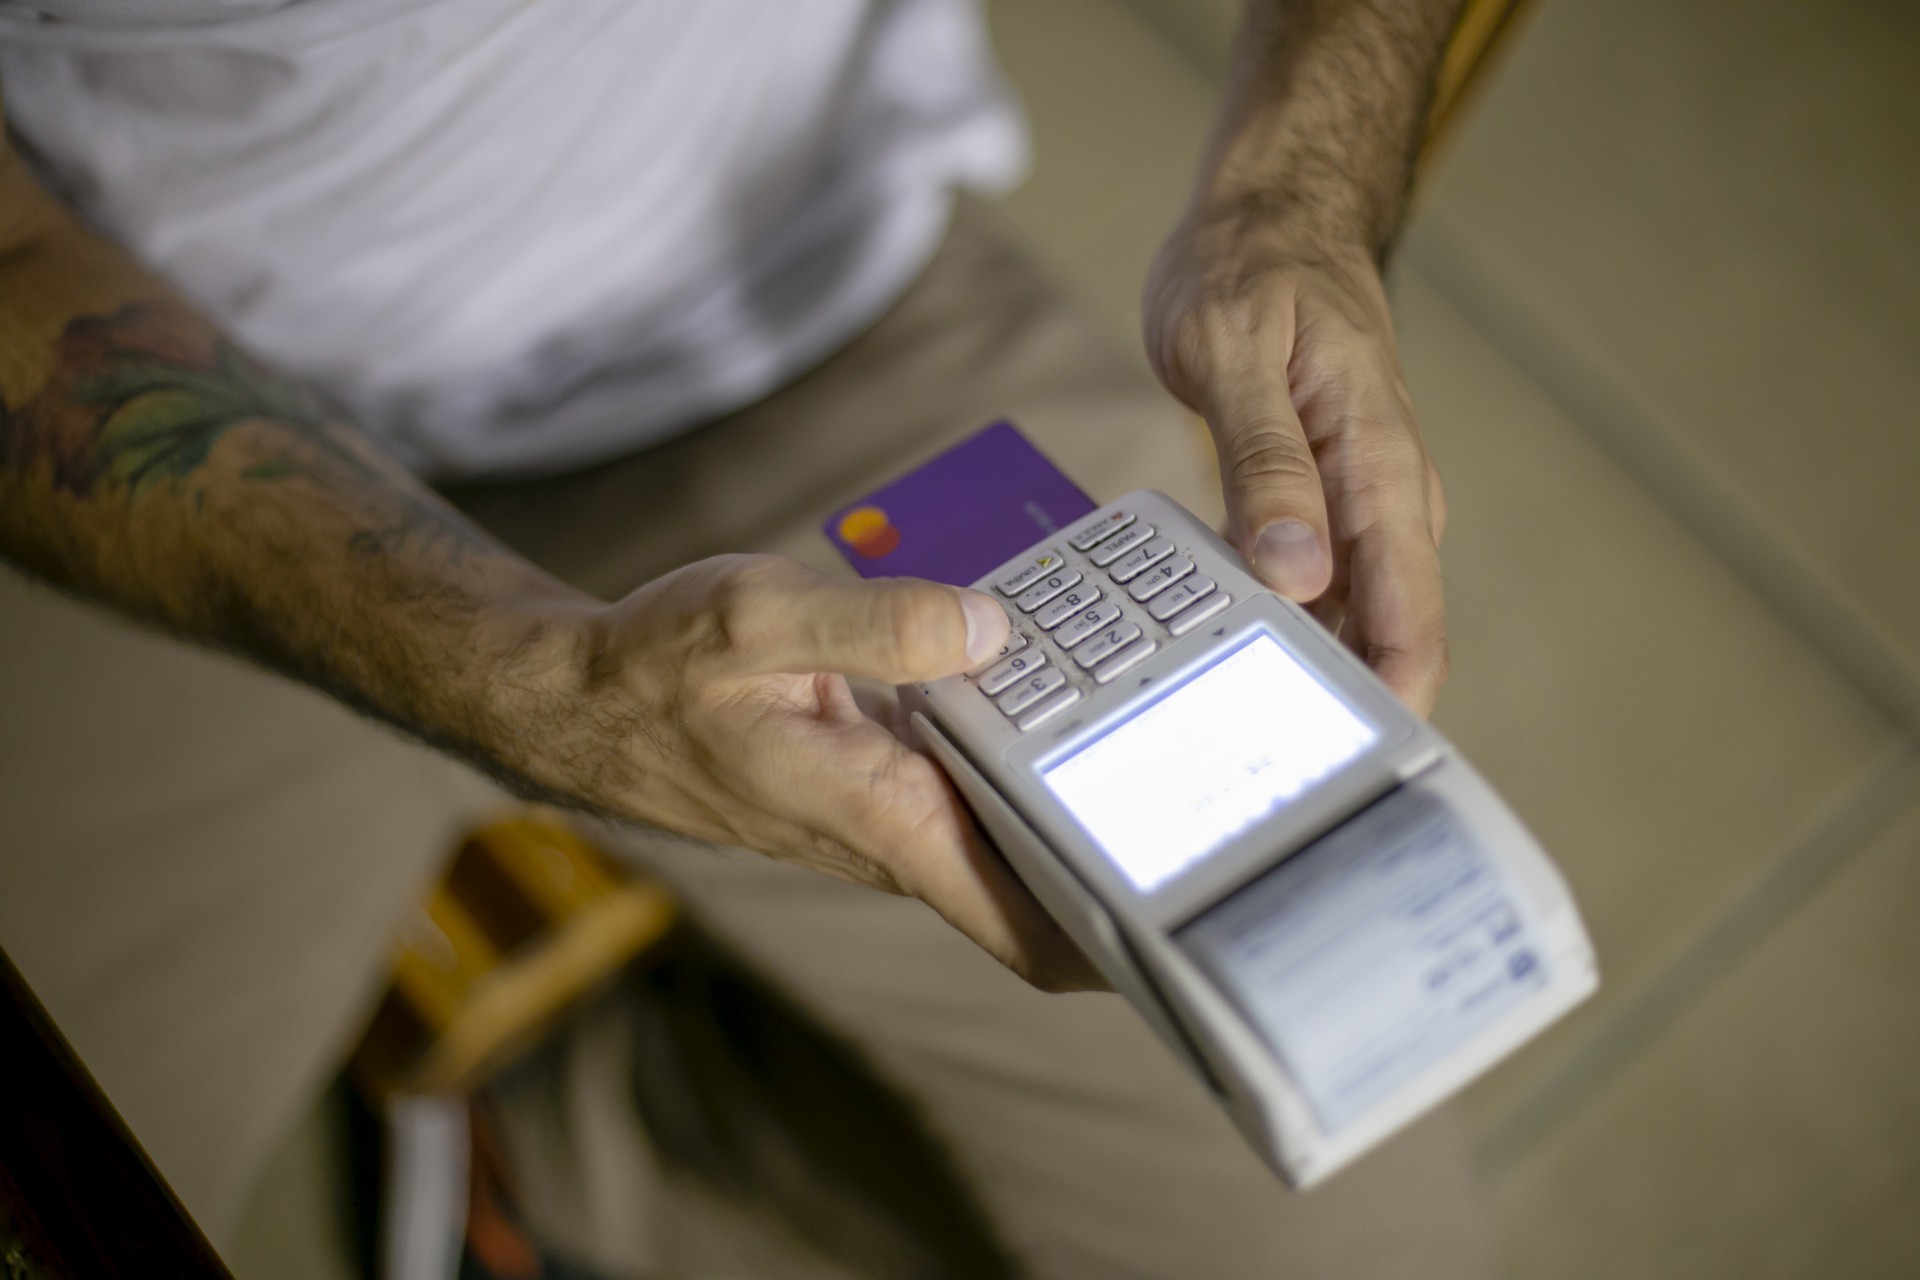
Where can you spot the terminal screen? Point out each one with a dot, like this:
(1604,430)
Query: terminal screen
(1206,762)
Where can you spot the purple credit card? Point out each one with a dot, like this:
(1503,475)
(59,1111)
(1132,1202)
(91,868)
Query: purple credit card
(980,503)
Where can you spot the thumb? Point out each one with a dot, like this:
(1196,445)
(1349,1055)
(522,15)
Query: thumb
(894,629)
(1275,505)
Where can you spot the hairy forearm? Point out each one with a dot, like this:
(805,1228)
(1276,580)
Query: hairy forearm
(1324,113)
(147,462)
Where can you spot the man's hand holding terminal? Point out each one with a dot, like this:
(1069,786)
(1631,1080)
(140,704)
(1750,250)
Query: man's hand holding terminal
(1265,314)
(714,702)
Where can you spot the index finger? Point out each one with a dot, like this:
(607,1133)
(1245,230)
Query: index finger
(1396,605)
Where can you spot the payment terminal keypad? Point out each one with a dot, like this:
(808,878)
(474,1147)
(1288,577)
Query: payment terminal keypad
(1106,644)
(1139,560)
(1165,574)
(1184,596)
(1031,690)
(996,678)
(1046,589)
(1181,623)
(1105,528)
(1117,666)
(1086,624)
(1029,572)
(1105,553)
(1016,641)
(1066,606)
(1107,606)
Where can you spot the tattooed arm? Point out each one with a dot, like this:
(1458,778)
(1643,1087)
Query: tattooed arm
(148,463)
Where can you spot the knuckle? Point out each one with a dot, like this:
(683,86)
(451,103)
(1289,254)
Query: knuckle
(1250,319)
(1185,350)
(1233,326)
(737,600)
(1433,653)
(1411,455)
(1188,337)
(1272,457)
(915,625)
(746,576)
(1440,659)
(1389,482)
(1387,437)
(1427,656)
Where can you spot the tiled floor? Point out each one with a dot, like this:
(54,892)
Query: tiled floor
(1720,205)
(1659,317)
(1664,733)
(1774,1131)
(1660,314)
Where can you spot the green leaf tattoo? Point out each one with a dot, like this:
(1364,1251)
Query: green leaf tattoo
(159,420)
(140,398)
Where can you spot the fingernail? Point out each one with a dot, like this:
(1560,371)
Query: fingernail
(987,625)
(1287,554)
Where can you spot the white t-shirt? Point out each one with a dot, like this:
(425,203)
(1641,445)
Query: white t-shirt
(515,236)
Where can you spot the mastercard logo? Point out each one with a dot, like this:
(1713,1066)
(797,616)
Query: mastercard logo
(868,531)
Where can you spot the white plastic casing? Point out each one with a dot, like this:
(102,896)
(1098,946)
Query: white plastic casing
(1135,937)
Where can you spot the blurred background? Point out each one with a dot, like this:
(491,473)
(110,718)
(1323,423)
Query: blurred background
(1660,308)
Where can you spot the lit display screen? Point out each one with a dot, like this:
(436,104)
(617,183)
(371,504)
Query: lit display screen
(1183,777)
